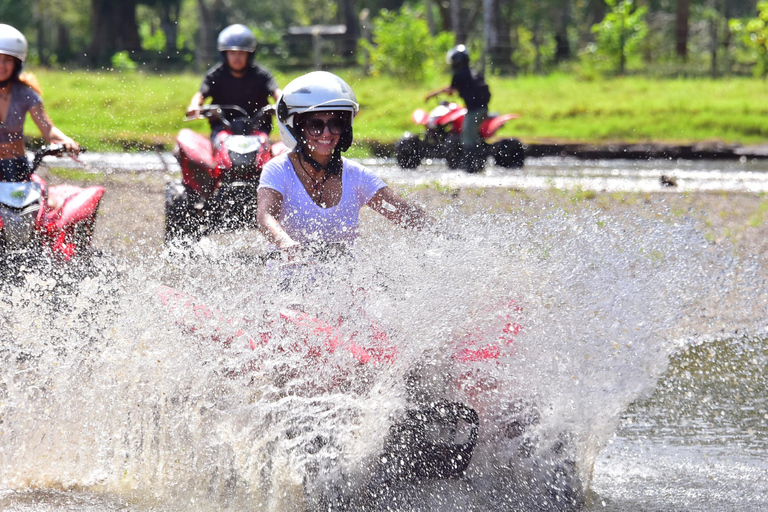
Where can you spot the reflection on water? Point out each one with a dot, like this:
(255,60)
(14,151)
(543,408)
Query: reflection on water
(113,395)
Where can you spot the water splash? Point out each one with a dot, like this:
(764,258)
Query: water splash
(214,402)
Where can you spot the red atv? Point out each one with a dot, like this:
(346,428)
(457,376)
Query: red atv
(40,222)
(217,189)
(442,139)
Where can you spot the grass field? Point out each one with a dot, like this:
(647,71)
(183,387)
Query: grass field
(106,110)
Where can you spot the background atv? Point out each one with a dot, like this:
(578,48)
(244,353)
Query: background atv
(217,189)
(442,139)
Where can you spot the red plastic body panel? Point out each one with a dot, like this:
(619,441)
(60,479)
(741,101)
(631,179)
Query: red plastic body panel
(376,348)
(77,204)
(195,155)
(492,124)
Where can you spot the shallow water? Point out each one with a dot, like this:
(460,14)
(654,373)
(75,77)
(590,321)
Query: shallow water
(747,175)
(118,394)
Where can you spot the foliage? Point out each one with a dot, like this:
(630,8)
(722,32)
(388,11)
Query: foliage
(121,61)
(17,14)
(403,47)
(619,35)
(110,110)
(152,38)
(526,53)
(752,33)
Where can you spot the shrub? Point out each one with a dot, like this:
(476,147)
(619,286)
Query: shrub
(752,33)
(121,61)
(618,36)
(403,47)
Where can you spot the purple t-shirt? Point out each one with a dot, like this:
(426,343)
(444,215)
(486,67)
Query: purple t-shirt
(23,98)
(305,221)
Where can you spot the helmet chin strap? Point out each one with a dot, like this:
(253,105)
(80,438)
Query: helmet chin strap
(332,167)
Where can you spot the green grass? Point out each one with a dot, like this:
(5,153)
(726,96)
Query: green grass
(113,110)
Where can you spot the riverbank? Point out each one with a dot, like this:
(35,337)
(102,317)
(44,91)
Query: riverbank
(705,150)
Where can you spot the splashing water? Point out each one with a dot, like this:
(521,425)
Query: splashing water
(201,396)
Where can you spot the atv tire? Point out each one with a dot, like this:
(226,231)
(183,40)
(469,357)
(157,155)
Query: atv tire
(453,152)
(181,221)
(509,153)
(408,152)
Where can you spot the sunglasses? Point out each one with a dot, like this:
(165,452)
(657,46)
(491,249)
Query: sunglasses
(316,127)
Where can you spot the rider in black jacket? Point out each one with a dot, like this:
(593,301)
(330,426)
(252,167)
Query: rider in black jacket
(476,95)
(237,79)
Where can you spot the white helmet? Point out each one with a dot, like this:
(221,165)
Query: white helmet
(319,91)
(13,42)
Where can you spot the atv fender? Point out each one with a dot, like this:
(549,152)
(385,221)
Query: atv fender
(492,124)
(76,204)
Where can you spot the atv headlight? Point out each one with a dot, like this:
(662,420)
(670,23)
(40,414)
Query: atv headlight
(243,144)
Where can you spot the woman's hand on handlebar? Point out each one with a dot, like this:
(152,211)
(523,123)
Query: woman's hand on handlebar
(193,112)
(72,147)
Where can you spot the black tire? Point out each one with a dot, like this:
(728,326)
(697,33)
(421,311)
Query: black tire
(408,152)
(509,153)
(181,221)
(452,151)
(475,160)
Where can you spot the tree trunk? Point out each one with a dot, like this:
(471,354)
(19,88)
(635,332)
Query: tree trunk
(622,46)
(113,29)
(63,43)
(498,42)
(206,42)
(169,17)
(562,45)
(681,28)
(430,17)
(459,28)
(350,20)
(42,50)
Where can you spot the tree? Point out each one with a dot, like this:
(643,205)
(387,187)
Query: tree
(459,28)
(113,29)
(169,11)
(681,28)
(753,34)
(621,32)
(498,43)
(403,47)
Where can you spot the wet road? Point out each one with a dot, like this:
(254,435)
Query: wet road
(676,176)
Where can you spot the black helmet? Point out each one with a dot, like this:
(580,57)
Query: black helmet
(236,37)
(458,56)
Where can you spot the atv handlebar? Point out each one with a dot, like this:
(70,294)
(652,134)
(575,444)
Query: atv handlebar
(215,112)
(57,150)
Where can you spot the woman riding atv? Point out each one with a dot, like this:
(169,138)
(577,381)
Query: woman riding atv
(311,195)
(236,80)
(19,94)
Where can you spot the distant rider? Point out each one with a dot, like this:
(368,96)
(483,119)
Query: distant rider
(19,94)
(312,196)
(236,80)
(476,95)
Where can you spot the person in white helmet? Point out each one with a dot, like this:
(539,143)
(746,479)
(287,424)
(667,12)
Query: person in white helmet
(312,196)
(236,80)
(19,95)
